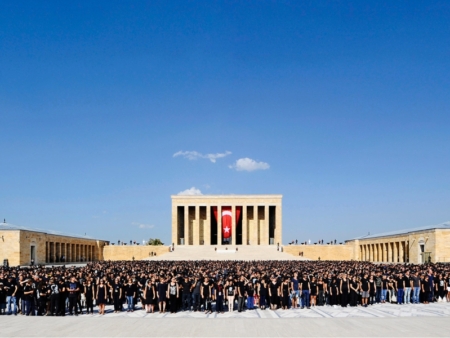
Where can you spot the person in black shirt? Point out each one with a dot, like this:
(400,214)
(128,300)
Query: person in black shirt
(364,290)
(2,299)
(220,295)
(344,290)
(273,293)
(205,292)
(11,290)
(306,289)
(186,294)
(130,293)
(62,297)
(354,289)
(27,297)
(54,298)
(89,290)
(73,289)
(43,291)
(241,293)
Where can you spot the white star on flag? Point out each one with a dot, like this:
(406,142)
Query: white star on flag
(227,229)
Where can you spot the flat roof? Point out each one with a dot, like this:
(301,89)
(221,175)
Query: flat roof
(228,196)
(445,225)
(9,226)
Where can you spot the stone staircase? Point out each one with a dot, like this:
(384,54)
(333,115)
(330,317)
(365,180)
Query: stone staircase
(226,252)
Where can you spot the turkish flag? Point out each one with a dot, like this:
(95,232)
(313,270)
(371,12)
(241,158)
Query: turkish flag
(227,220)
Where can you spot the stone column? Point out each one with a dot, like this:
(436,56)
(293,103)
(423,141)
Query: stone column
(207,226)
(395,252)
(219,225)
(186,225)
(265,227)
(401,252)
(278,221)
(244,225)
(175,234)
(255,231)
(196,226)
(233,224)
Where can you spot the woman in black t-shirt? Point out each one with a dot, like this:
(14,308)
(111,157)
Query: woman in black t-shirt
(150,296)
(205,293)
(273,294)
(262,292)
(284,292)
(89,294)
(344,289)
(314,291)
(354,290)
(101,296)
(230,292)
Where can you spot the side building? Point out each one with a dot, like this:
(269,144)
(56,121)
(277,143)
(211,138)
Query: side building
(417,245)
(21,245)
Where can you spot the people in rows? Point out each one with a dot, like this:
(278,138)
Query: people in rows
(218,286)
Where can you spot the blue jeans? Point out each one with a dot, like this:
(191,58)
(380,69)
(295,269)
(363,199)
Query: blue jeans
(305,298)
(11,300)
(130,301)
(400,296)
(383,295)
(416,294)
(26,307)
(407,295)
(196,301)
(378,295)
(250,302)
(186,301)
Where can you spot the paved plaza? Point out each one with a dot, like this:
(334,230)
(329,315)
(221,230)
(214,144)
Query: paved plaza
(379,320)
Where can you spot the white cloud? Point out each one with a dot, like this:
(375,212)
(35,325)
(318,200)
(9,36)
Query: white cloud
(143,226)
(191,192)
(247,164)
(194,155)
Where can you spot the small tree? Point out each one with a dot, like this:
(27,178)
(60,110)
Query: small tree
(155,241)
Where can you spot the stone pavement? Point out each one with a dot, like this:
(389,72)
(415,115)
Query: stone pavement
(374,321)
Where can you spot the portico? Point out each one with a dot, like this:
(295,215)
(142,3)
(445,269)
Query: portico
(226,219)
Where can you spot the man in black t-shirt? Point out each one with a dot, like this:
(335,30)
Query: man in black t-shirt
(11,288)
(305,289)
(186,294)
(241,293)
(400,288)
(27,297)
(73,289)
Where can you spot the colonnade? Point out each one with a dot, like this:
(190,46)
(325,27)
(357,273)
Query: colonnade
(390,252)
(258,225)
(69,252)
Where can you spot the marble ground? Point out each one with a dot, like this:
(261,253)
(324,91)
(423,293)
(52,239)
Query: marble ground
(374,311)
(374,321)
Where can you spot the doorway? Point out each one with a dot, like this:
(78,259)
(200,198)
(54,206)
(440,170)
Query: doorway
(33,253)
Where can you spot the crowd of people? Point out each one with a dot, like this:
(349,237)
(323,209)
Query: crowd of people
(218,286)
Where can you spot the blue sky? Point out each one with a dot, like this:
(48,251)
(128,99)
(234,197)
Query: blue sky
(342,107)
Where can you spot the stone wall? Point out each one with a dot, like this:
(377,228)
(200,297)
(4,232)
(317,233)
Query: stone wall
(442,245)
(10,247)
(324,252)
(127,252)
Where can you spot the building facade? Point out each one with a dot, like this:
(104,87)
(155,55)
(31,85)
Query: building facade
(227,219)
(20,246)
(417,245)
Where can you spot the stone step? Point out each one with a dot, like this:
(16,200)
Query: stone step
(226,252)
